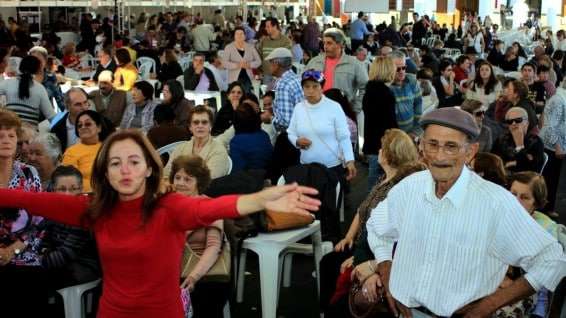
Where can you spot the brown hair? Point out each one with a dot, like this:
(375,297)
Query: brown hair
(201,109)
(471,105)
(9,120)
(170,56)
(490,167)
(536,184)
(398,148)
(105,196)
(194,166)
(520,88)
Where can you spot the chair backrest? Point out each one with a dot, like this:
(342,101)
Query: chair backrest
(300,68)
(230,164)
(168,149)
(87,60)
(72,74)
(14,64)
(144,71)
(146,65)
(544,161)
(185,62)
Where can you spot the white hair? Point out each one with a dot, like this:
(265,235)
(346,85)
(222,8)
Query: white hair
(51,144)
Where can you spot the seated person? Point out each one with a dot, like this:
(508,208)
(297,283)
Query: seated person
(164,131)
(191,176)
(139,113)
(251,147)
(476,109)
(462,69)
(105,62)
(199,78)
(68,253)
(519,149)
(490,167)
(543,88)
(126,73)
(429,59)
(496,56)
(510,61)
(109,102)
(515,93)
(202,144)
(70,57)
(446,86)
(174,98)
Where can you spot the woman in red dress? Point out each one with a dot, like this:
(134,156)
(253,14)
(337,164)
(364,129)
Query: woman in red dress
(140,233)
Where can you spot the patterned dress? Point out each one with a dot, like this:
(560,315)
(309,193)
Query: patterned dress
(18,224)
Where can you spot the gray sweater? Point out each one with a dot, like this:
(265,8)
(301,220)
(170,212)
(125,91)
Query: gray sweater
(33,109)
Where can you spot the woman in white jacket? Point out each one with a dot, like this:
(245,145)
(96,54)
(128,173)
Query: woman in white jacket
(239,59)
(319,129)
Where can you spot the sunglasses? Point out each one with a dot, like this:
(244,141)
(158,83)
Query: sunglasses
(198,122)
(480,113)
(85,125)
(401,68)
(314,75)
(514,121)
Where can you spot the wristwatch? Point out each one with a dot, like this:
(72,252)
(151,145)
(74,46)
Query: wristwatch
(17,251)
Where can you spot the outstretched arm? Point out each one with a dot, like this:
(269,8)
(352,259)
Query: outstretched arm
(62,208)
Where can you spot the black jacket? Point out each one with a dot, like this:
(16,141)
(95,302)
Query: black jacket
(111,67)
(169,71)
(443,99)
(495,57)
(530,158)
(60,130)
(379,109)
(192,79)
(224,119)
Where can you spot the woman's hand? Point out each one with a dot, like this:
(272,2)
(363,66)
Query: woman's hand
(189,283)
(373,288)
(345,242)
(351,168)
(363,271)
(290,199)
(6,255)
(346,264)
(303,143)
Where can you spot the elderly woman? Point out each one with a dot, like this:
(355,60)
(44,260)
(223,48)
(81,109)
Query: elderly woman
(239,59)
(398,157)
(519,149)
(191,176)
(477,109)
(44,155)
(174,97)
(68,253)
(202,144)
(25,95)
(20,234)
(139,114)
(92,131)
(319,129)
(126,73)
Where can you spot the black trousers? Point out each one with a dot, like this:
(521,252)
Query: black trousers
(208,299)
(329,272)
(285,155)
(24,291)
(551,174)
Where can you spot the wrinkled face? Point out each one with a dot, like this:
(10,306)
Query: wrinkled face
(200,125)
(39,158)
(185,183)
(514,125)
(401,70)
(88,130)
(78,103)
(103,57)
(524,194)
(239,36)
(528,73)
(8,143)
(166,94)
(313,91)
(361,56)
(127,169)
(446,151)
(331,47)
(68,185)
(105,87)
(485,72)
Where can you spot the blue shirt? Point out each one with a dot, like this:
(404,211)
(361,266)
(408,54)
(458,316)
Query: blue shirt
(288,93)
(408,104)
(358,29)
(250,151)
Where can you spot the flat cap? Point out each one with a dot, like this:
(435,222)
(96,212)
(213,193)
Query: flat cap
(453,118)
(279,53)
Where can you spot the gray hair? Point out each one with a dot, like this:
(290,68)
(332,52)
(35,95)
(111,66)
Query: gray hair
(398,55)
(67,99)
(51,144)
(520,110)
(284,62)
(335,34)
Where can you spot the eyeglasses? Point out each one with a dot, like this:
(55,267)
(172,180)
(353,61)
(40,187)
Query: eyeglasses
(313,74)
(448,148)
(88,124)
(199,122)
(512,121)
(65,189)
(401,68)
(480,113)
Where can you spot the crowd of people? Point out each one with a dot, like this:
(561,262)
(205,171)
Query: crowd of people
(464,154)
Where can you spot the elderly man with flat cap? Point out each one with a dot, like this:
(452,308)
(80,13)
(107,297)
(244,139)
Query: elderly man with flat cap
(457,234)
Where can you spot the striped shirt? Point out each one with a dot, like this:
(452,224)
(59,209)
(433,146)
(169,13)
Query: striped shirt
(455,250)
(34,109)
(409,104)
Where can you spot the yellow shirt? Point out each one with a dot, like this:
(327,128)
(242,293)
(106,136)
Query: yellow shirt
(82,157)
(125,77)
(133,53)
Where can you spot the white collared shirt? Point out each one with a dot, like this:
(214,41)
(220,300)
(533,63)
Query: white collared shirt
(457,249)
(72,137)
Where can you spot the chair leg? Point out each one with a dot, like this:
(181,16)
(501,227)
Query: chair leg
(226,313)
(71,305)
(287,267)
(241,276)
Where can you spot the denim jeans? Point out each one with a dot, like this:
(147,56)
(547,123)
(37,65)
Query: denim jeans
(374,172)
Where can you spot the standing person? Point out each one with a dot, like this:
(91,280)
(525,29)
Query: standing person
(419,30)
(311,36)
(358,31)
(128,211)
(341,71)
(474,42)
(240,58)
(26,96)
(382,74)
(478,240)
(408,99)
(275,39)
(203,36)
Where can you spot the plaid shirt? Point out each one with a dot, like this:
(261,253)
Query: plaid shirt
(288,93)
(409,104)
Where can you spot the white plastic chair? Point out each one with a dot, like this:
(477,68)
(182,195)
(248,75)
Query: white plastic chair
(230,165)
(72,74)
(300,68)
(544,161)
(185,62)
(168,149)
(87,60)
(72,299)
(146,66)
(14,64)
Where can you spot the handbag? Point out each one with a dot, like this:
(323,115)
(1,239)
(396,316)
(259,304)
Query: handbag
(276,221)
(219,272)
(339,156)
(361,307)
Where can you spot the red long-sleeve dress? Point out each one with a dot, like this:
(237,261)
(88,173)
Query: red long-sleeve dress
(140,262)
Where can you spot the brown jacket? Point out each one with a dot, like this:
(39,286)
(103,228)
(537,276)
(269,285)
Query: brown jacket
(116,105)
